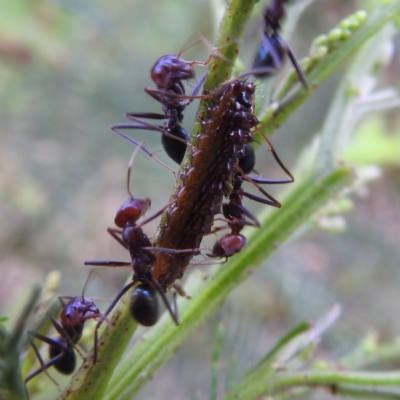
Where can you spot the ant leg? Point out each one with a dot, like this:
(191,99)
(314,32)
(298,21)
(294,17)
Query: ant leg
(64,334)
(155,215)
(280,43)
(114,233)
(199,84)
(272,202)
(129,139)
(44,366)
(214,52)
(180,290)
(248,214)
(105,315)
(280,163)
(161,291)
(162,95)
(140,124)
(175,304)
(218,228)
(150,127)
(205,262)
(148,115)
(108,263)
(262,181)
(297,67)
(274,43)
(172,251)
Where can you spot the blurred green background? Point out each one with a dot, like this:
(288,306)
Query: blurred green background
(69,69)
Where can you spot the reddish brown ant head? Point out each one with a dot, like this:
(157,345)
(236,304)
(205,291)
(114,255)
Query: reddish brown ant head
(77,311)
(132,210)
(229,245)
(169,69)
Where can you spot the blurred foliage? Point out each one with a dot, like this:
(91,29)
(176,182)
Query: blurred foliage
(373,144)
(68,70)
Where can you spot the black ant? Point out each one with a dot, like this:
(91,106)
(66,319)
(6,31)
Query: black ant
(168,73)
(273,48)
(143,304)
(62,349)
(233,210)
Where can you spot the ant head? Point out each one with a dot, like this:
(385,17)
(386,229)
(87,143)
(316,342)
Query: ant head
(78,310)
(169,69)
(274,13)
(131,210)
(229,245)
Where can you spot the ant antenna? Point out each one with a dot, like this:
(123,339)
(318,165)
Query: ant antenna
(134,154)
(214,51)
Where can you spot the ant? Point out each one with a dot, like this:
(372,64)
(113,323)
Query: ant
(167,73)
(235,213)
(143,304)
(61,351)
(273,48)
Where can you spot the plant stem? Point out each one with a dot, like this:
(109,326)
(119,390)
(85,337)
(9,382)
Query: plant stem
(333,380)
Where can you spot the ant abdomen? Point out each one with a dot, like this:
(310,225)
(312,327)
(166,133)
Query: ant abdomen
(264,57)
(67,362)
(248,161)
(174,148)
(144,305)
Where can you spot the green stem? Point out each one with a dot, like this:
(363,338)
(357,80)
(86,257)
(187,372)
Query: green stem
(11,383)
(331,379)
(219,337)
(369,352)
(228,40)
